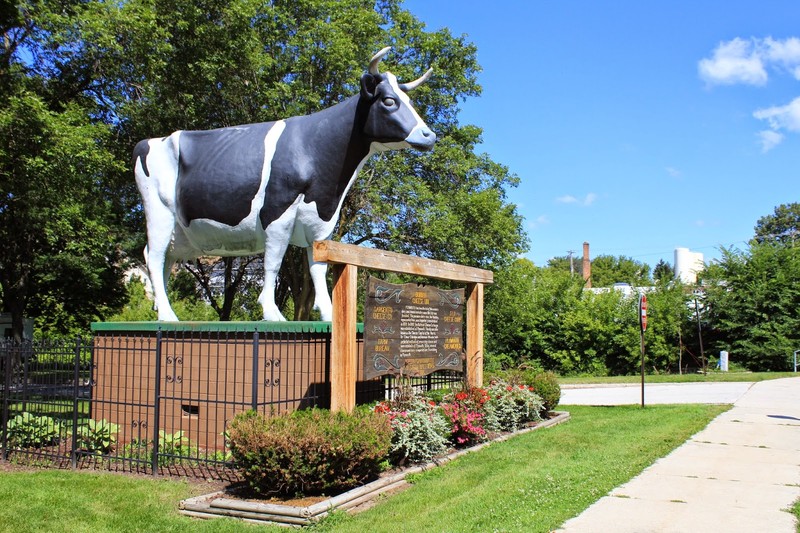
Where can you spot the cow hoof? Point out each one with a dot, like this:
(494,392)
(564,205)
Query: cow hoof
(274,316)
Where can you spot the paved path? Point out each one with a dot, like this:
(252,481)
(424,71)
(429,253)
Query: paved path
(740,474)
(654,393)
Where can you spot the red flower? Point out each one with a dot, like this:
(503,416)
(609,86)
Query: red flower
(509,388)
(461,396)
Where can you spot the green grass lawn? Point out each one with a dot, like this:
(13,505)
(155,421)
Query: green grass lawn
(532,482)
(679,378)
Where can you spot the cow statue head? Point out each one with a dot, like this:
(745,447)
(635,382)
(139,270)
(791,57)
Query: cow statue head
(391,115)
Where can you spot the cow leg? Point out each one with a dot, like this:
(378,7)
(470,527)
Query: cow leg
(322,299)
(272,264)
(158,268)
(277,240)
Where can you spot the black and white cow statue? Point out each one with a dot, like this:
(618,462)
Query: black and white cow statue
(257,188)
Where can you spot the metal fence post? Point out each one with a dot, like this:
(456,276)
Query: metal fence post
(75,403)
(157,404)
(5,358)
(254,392)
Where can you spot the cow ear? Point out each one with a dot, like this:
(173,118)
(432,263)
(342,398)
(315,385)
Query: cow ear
(368,86)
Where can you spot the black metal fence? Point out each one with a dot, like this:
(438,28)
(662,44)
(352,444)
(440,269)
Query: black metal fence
(159,402)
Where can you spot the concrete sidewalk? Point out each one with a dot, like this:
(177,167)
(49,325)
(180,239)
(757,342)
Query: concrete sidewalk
(741,473)
(654,393)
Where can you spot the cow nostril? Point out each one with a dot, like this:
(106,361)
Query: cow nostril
(427,133)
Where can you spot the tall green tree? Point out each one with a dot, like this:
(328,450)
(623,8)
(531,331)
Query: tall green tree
(609,269)
(245,61)
(782,226)
(144,68)
(57,262)
(525,310)
(753,299)
(663,272)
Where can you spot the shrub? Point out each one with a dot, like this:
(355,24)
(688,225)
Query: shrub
(30,431)
(545,384)
(509,406)
(98,437)
(465,411)
(419,429)
(523,374)
(309,451)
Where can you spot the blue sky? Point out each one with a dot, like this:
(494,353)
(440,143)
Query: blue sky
(636,126)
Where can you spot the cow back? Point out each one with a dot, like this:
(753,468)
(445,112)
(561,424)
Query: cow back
(219,172)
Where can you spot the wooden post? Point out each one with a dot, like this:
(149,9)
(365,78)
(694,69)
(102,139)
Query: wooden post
(475,334)
(343,338)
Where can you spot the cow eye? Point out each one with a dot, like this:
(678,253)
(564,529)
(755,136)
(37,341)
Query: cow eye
(388,102)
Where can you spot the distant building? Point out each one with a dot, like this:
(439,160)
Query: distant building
(687,265)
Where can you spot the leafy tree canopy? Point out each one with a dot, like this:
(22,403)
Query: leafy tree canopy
(753,298)
(117,72)
(663,272)
(608,270)
(782,226)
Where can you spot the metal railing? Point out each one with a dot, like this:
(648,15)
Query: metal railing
(159,402)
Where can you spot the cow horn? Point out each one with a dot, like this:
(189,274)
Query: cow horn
(405,87)
(373,64)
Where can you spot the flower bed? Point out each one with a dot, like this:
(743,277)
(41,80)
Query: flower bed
(226,504)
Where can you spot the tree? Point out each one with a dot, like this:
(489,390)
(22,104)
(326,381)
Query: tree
(782,226)
(753,299)
(608,269)
(663,272)
(57,261)
(448,205)
(565,263)
(525,310)
(144,68)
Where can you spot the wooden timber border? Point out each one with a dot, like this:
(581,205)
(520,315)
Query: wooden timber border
(346,259)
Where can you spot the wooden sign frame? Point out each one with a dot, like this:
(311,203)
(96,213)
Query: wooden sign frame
(346,259)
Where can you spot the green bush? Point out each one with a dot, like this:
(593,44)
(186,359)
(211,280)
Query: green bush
(31,431)
(98,437)
(545,384)
(419,430)
(510,406)
(310,451)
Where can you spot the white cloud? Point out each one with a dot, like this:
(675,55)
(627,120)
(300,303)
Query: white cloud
(674,172)
(746,61)
(541,220)
(736,61)
(779,118)
(785,53)
(782,117)
(769,139)
(587,200)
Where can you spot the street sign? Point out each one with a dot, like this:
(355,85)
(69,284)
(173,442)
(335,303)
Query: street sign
(643,312)
(642,328)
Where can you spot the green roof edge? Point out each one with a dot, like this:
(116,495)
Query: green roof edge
(260,326)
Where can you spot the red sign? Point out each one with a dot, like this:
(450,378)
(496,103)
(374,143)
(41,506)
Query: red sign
(643,312)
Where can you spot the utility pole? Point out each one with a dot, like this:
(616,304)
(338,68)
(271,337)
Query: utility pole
(570,253)
(700,334)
